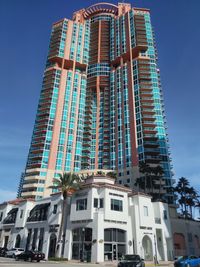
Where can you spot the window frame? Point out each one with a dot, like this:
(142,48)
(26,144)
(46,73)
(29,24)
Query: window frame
(114,202)
(83,202)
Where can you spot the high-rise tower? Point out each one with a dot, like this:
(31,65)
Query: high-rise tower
(101,104)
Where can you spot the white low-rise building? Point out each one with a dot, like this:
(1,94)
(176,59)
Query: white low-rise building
(104,221)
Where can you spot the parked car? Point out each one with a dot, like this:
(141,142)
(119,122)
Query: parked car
(131,261)
(3,252)
(187,261)
(14,252)
(31,256)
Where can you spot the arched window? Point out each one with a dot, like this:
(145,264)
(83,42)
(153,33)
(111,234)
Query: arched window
(18,241)
(179,244)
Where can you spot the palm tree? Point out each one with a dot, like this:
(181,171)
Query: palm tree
(140,183)
(197,205)
(158,171)
(101,173)
(191,199)
(145,169)
(66,184)
(182,188)
(112,174)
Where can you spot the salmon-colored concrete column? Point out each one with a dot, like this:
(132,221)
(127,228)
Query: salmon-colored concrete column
(59,110)
(77,109)
(71,92)
(131,97)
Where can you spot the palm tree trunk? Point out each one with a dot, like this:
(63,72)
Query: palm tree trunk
(61,228)
(191,211)
(64,228)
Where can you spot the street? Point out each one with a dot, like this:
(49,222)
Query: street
(12,262)
(5,262)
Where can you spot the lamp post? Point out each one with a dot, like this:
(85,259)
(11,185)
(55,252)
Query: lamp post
(82,237)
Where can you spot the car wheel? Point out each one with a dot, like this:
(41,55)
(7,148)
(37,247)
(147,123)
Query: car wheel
(16,258)
(29,259)
(13,256)
(38,260)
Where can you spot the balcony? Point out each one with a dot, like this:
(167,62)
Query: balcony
(87,127)
(86,156)
(33,165)
(148,112)
(88,116)
(87,138)
(148,116)
(86,149)
(152,159)
(149,131)
(30,185)
(150,144)
(29,194)
(37,136)
(153,150)
(160,182)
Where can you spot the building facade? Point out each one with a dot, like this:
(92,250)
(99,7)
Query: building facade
(104,221)
(101,103)
(185,233)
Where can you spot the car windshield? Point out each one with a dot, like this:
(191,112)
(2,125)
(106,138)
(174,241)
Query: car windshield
(183,258)
(131,257)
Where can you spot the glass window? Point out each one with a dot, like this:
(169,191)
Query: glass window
(116,205)
(21,214)
(146,213)
(76,234)
(1,216)
(101,203)
(88,234)
(55,209)
(108,234)
(95,202)
(165,214)
(81,204)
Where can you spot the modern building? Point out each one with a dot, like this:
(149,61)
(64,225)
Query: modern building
(101,103)
(104,221)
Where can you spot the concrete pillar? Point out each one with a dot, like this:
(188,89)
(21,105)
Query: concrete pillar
(98,238)
(68,244)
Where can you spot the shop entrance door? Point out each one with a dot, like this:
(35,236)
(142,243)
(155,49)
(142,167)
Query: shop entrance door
(114,244)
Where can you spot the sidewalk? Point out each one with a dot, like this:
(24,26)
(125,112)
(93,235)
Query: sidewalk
(114,263)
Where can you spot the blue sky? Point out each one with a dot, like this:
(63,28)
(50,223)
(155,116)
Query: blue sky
(25,28)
